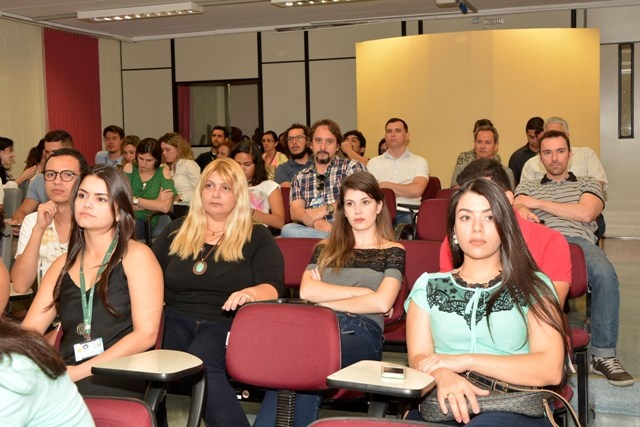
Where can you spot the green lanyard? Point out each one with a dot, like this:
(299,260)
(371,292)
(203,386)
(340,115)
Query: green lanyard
(87,303)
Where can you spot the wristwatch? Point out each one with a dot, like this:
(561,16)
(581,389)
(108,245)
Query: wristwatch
(330,209)
(136,201)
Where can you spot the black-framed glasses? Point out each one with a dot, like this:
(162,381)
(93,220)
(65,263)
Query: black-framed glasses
(320,178)
(66,176)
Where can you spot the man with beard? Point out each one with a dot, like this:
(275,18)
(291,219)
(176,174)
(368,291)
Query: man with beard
(315,190)
(219,134)
(399,169)
(570,204)
(299,158)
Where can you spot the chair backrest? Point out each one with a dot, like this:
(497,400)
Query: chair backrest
(431,223)
(390,201)
(284,346)
(286,191)
(120,411)
(6,245)
(432,188)
(365,422)
(446,193)
(422,256)
(579,277)
(12,200)
(24,186)
(297,253)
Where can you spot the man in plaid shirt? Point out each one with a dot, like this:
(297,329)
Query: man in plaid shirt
(315,190)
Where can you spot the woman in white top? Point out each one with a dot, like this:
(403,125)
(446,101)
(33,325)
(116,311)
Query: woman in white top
(272,158)
(185,171)
(266,202)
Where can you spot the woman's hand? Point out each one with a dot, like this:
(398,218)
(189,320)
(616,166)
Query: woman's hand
(238,299)
(457,391)
(453,362)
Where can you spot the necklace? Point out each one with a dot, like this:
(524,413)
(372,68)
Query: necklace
(200,267)
(215,232)
(486,285)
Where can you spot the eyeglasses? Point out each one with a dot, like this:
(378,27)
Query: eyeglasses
(299,138)
(320,179)
(66,176)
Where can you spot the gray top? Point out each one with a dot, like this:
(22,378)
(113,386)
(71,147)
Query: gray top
(367,269)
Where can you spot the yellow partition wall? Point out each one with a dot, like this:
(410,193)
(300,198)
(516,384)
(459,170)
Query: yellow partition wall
(442,83)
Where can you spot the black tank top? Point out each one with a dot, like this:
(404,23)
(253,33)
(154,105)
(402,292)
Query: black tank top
(103,324)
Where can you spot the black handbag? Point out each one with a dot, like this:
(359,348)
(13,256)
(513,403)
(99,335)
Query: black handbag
(503,397)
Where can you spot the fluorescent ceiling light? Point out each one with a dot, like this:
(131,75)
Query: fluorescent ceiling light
(291,3)
(141,12)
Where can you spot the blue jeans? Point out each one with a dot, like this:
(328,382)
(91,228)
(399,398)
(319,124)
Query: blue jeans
(299,230)
(360,339)
(605,298)
(206,340)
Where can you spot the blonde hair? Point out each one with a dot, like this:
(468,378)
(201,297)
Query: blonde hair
(238,227)
(176,140)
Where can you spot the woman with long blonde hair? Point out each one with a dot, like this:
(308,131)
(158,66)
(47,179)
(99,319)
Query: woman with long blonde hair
(215,260)
(185,172)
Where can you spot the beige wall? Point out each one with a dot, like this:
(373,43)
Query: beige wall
(22,98)
(440,84)
(110,83)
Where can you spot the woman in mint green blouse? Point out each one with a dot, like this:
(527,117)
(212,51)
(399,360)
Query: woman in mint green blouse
(153,188)
(494,314)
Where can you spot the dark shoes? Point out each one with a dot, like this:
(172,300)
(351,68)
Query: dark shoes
(612,370)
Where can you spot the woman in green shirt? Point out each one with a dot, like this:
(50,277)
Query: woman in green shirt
(153,188)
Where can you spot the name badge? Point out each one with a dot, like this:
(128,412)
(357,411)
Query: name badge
(88,349)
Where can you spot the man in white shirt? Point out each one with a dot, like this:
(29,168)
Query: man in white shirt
(583,162)
(44,234)
(400,170)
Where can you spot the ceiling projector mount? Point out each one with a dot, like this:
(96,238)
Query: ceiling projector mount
(464,5)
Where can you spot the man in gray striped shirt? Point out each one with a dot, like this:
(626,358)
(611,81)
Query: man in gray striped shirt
(570,205)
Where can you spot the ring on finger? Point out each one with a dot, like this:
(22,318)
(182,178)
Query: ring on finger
(450,394)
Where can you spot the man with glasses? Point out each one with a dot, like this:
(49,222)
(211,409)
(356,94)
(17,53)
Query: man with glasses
(53,140)
(113,136)
(44,234)
(316,189)
(299,158)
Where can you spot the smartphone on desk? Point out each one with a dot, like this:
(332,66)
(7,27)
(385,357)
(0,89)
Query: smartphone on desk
(395,372)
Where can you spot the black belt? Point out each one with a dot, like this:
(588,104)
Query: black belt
(494,384)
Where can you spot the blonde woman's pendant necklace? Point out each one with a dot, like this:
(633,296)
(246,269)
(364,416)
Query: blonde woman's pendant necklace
(200,267)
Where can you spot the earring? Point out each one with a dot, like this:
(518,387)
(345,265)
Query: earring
(455,239)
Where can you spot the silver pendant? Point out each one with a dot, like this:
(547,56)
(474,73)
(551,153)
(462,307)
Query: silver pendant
(199,268)
(81,330)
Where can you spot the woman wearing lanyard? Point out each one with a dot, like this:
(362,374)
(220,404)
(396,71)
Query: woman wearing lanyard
(108,306)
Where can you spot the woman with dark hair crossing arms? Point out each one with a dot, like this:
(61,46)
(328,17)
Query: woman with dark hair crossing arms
(357,272)
(107,289)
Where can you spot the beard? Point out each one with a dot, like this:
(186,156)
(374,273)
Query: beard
(324,160)
(299,155)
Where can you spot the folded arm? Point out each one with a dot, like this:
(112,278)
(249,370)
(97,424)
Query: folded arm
(586,209)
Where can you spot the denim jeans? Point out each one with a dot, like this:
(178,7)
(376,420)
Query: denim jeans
(605,298)
(360,339)
(207,340)
(300,230)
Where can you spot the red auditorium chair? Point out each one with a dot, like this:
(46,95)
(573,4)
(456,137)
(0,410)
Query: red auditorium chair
(284,347)
(431,223)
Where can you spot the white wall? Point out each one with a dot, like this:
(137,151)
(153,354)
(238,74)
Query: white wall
(619,156)
(23,116)
(110,83)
